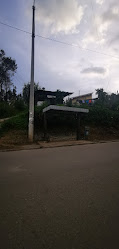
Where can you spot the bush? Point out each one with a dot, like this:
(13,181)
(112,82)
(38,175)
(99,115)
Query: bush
(102,116)
(98,116)
(38,115)
(19,122)
(39,109)
(19,105)
(7,110)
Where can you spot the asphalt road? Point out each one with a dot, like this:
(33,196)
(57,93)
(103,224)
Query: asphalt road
(61,198)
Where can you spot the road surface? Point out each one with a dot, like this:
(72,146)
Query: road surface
(60,198)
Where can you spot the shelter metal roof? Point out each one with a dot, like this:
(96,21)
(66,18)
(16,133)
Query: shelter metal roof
(65,108)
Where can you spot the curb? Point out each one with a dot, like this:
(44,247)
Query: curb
(43,147)
(50,146)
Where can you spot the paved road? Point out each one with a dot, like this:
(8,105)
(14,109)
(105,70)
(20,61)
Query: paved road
(61,198)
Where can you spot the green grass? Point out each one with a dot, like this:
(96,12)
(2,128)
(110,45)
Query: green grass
(9,110)
(19,122)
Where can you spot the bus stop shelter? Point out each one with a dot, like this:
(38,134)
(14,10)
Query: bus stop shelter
(65,110)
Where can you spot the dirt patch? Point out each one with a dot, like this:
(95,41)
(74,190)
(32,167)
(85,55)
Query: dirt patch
(12,139)
(99,134)
(95,134)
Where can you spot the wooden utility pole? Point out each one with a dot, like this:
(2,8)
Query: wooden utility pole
(31,100)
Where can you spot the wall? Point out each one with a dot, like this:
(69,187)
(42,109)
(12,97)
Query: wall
(87,97)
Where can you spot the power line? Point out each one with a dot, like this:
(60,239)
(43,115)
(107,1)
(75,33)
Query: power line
(76,45)
(54,40)
(10,26)
(20,77)
(58,41)
(16,80)
(16,77)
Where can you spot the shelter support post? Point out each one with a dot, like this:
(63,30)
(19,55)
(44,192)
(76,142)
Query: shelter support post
(78,127)
(45,126)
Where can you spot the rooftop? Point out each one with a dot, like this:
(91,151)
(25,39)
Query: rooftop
(55,93)
(84,95)
(65,108)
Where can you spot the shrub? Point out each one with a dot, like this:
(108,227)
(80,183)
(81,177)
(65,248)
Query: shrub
(19,122)
(19,105)
(38,115)
(7,110)
(102,116)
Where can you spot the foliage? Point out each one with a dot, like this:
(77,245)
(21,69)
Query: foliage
(8,67)
(19,105)
(105,111)
(7,110)
(69,102)
(110,101)
(39,109)
(102,96)
(38,116)
(101,116)
(26,91)
(19,122)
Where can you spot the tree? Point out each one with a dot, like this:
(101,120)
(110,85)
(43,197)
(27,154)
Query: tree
(43,88)
(26,91)
(114,101)
(69,102)
(8,67)
(103,97)
(60,96)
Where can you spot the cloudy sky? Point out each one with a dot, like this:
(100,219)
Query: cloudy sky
(89,25)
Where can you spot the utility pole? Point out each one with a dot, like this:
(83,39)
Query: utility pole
(31,100)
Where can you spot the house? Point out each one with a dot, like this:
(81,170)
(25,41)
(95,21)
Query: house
(86,98)
(53,98)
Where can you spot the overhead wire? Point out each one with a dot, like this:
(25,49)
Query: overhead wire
(13,27)
(16,78)
(20,77)
(58,41)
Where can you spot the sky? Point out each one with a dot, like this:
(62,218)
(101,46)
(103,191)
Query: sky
(89,25)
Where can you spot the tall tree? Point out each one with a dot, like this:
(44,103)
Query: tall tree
(26,91)
(103,97)
(8,67)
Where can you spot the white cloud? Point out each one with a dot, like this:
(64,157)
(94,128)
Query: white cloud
(60,16)
(112,14)
(100,2)
(102,23)
(97,32)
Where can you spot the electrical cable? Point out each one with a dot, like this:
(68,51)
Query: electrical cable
(61,42)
